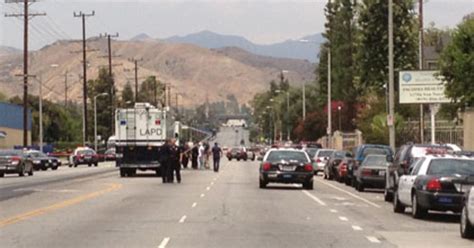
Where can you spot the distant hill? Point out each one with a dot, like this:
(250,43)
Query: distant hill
(287,49)
(197,73)
(5,51)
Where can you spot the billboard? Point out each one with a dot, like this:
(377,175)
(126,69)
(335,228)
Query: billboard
(421,87)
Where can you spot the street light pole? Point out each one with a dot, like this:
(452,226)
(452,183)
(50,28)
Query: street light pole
(339,115)
(41,114)
(304,101)
(95,118)
(329,129)
(288,136)
(391,101)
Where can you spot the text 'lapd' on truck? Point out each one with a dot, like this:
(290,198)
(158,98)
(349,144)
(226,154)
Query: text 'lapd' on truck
(140,133)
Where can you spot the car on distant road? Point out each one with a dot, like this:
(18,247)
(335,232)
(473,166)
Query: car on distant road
(83,155)
(405,156)
(238,153)
(251,154)
(430,185)
(286,166)
(371,172)
(15,161)
(320,159)
(332,164)
(109,155)
(42,161)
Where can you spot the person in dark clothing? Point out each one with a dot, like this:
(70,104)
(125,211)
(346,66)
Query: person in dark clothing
(216,156)
(174,162)
(185,155)
(164,158)
(194,157)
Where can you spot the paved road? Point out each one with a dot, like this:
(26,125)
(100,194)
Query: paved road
(94,207)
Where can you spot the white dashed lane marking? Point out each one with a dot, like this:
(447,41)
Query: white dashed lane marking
(202,195)
(333,211)
(164,242)
(343,218)
(357,228)
(194,205)
(316,199)
(373,239)
(182,219)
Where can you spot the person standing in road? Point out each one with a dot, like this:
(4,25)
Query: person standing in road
(216,156)
(201,156)
(164,161)
(185,155)
(207,153)
(174,162)
(194,157)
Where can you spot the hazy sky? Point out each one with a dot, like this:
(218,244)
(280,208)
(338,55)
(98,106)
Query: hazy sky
(261,21)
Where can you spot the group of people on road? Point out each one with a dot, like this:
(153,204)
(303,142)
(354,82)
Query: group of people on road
(172,157)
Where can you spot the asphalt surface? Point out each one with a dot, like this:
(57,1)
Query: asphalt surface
(94,207)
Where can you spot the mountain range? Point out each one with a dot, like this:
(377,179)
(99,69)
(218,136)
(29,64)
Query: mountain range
(305,48)
(197,73)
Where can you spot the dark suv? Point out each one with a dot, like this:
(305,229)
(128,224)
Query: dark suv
(405,156)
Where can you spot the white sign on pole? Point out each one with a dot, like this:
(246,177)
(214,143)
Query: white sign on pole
(421,87)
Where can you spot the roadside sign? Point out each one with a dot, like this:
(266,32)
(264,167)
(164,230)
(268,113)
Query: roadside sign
(390,121)
(421,87)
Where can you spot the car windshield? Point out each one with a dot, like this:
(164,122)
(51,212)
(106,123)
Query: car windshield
(376,150)
(86,152)
(325,153)
(340,154)
(311,151)
(375,160)
(277,156)
(448,167)
(10,153)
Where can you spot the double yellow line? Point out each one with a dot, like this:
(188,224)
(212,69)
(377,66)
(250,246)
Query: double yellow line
(59,205)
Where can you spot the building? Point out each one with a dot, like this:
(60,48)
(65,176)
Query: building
(11,125)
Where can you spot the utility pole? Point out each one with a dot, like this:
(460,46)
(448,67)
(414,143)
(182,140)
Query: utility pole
(26,17)
(135,63)
(112,81)
(84,76)
(66,87)
(391,97)
(420,53)
(169,95)
(329,128)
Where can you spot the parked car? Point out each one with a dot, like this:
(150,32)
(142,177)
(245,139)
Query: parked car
(371,172)
(405,156)
(15,162)
(42,161)
(286,166)
(344,170)
(430,185)
(361,152)
(320,159)
(331,167)
(250,154)
(466,185)
(83,155)
(237,153)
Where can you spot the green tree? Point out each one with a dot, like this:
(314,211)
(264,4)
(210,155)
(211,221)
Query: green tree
(373,51)
(457,63)
(151,91)
(128,98)
(105,104)
(3,97)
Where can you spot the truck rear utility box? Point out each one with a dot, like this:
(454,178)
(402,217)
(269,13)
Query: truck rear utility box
(140,133)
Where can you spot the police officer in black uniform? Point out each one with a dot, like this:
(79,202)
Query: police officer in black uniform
(174,162)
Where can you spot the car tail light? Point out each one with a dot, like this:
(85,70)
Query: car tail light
(366,172)
(15,160)
(266,166)
(318,160)
(433,185)
(308,167)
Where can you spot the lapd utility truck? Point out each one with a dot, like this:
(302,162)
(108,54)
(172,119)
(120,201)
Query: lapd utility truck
(140,133)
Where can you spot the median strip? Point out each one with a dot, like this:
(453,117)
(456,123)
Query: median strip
(59,205)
